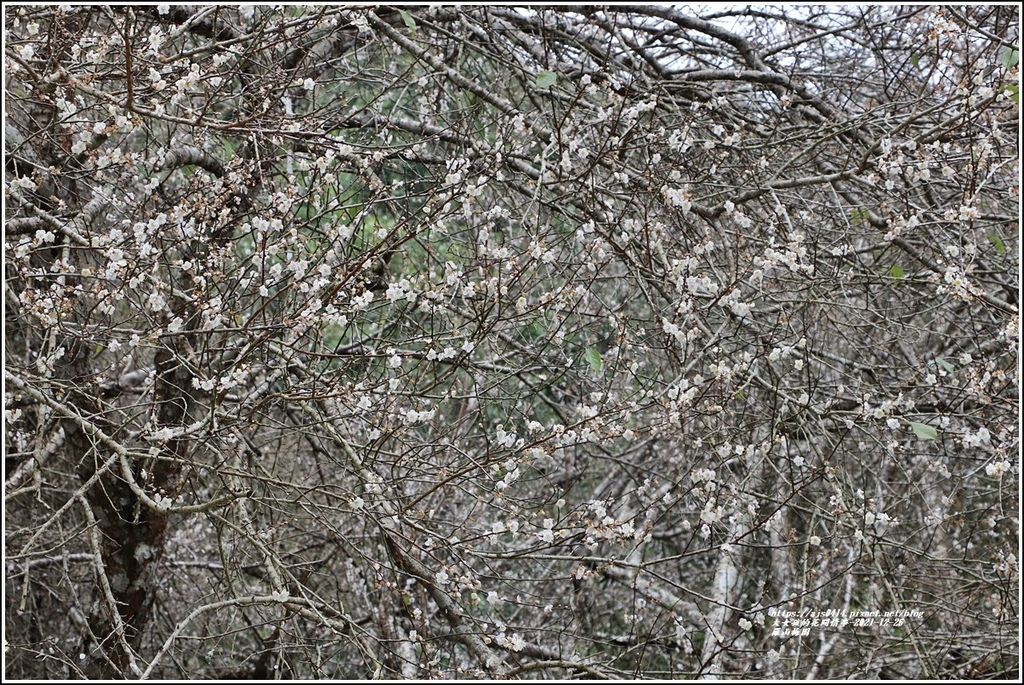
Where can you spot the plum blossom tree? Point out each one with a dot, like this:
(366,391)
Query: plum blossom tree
(562,342)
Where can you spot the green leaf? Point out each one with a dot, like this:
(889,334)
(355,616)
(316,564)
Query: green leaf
(1013,91)
(916,61)
(858,216)
(998,242)
(593,357)
(896,271)
(1009,57)
(924,431)
(409,21)
(946,365)
(546,79)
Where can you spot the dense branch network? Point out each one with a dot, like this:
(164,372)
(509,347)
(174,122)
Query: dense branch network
(563,342)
